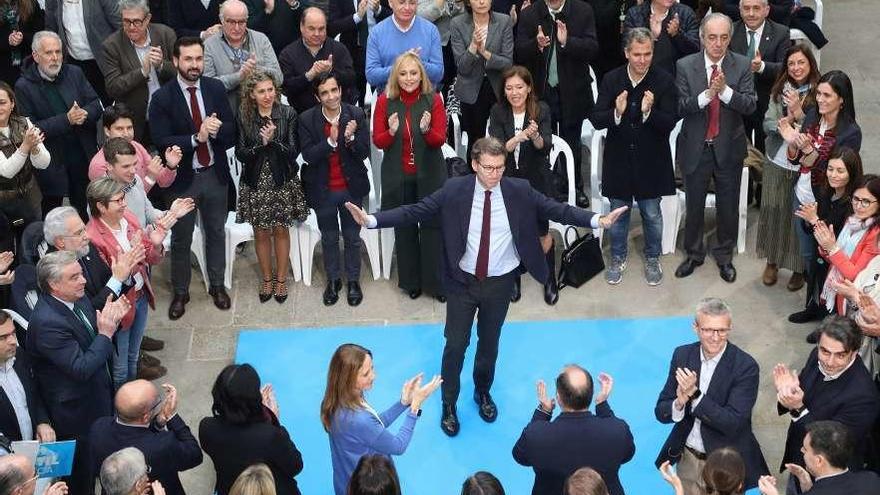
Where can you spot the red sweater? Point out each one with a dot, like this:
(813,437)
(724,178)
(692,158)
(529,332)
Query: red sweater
(336,182)
(434,138)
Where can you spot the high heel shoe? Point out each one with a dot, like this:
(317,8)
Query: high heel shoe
(281,290)
(266,290)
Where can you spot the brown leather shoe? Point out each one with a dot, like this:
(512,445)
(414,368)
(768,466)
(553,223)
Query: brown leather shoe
(151,344)
(796,282)
(770,274)
(178,306)
(220,297)
(151,373)
(148,361)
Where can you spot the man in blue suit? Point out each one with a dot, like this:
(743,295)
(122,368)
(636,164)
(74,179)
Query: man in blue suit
(192,113)
(709,395)
(486,242)
(576,438)
(71,345)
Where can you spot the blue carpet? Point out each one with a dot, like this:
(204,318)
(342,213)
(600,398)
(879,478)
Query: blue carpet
(635,352)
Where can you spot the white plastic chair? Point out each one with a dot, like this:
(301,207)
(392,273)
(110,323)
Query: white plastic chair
(587,128)
(602,205)
(17,318)
(309,235)
(196,247)
(236,233)
(798,36)
(560,147)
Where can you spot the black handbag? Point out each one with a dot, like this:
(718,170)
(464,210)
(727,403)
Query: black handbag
(581,260)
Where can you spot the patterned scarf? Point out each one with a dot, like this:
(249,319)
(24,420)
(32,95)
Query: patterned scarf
(850,236)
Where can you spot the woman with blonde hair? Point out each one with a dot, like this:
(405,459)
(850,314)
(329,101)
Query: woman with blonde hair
(271,198)
(255,480)
(409,123)
(354,427)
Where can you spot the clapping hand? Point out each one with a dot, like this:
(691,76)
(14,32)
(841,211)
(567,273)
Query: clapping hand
(606,221)
(248,66)
(173,155)
(673,27)
(868,309)
(334,131)
(671,477)
(547,405)
(531,131)
(756,62)
(803,477)
(60,488)
(767,485)
(417,51)
(155,56)
(358,213)
(542,39)
(6,259)
(32,138)
(362,10)
(267,132)
(393,123)
(620,103)
(848,289)
(647,101)
(421,392)
(825,236)
(169,405)
(157,488)
(808,212)
(350,129)
(123,263)
(716,86)
(786,129)
(793,102)
(406,392)
(76,115)
(268,394)
(656,24)
(154,167)
(214,124)
(15,38)
(108,318)
(181,207)
(607,383)
(561,32)
(788,388)
(425,122)
(687,385)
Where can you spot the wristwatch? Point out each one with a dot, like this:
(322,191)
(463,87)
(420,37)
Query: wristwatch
(797,412)
(696,395)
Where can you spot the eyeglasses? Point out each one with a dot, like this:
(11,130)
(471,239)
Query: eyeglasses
(721,332)
(235,22)
(492,170)
(77,233)
(134,22)
(862,202)
(119,200)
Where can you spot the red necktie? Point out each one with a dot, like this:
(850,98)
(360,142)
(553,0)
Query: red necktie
(714,111)
(482,269)
(202,148)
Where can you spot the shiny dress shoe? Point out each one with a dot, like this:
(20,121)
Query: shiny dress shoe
(811,313)
(796,282)
(220,297)
(517,289)
(449,421)
(415,293)
(727,272)
(149,361)
(687,267)
(551,292)
(440,298)
(151,344)
(151,372)
(355,295)
(581,200)
(486,407)
(813,337)
(178,306)
(331,292)
(770,274)
(280,291)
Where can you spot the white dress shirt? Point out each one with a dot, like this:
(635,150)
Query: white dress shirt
(198,85)
(758,33)
(75,29)
(152,78)
(11,384)
(121,236)
(502,253)
(707,369)
(725,95)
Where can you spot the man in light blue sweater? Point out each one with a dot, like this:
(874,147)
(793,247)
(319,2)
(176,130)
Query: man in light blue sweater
(400,32)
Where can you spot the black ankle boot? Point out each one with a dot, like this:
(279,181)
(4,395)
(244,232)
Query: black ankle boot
(517,289)
(551,290)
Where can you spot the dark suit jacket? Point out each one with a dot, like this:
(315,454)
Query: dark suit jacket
(452,203)
(780,10)
(668,50)
(295,60)
(122,71)
(534,164)
(166,451)
(691,79)
(572,61)
(190,17)
(725,410)
(97,273)
(35,405)
(555,449)
(315,172)
(235,447)
(340,22)
(772,46)
(71,367)
(101,17)
(851,399)
(638,161)
(849,483)
(472,68)
(171,124)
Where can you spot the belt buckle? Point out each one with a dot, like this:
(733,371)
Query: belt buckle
(710,142)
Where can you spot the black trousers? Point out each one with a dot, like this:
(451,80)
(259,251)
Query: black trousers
(474,116)
(94,76)
(488,300)
(696,184)
(418,249)
(569,131)
(77,183)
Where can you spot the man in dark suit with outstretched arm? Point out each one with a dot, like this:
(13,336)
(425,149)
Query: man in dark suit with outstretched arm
(485,242)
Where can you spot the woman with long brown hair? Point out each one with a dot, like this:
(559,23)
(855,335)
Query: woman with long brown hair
(271,198)
(522,123)
(19,20)
(355,428)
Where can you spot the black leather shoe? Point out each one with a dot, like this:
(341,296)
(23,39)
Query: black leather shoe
(809,314)
(551,289)
(517,289)
(813,337)
(582,200)
(355,295)
(151,344)
(415,293)
(727,272)
(178,306)
(487,409)
(687,267)
(449,421)
(331,292)
(220,297)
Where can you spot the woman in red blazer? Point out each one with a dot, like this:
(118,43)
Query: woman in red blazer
(119,238)
(855,247)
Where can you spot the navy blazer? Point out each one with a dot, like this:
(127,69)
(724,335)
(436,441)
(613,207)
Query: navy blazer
(340,21)
(315,173)
(97,273)
(36,408)
(171,124)
(71,367)
(725,410)
(851,399)
(849,483)
(452,203)
(556,449)
(166,451)
(190,17)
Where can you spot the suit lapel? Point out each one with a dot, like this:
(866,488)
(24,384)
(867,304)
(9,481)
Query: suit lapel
(701,76)
(509,205)
(466,207)
(767,37)
(80,333)
(739,41)
(722,370)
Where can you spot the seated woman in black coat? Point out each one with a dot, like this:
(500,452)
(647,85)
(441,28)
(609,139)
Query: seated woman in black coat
(245,430)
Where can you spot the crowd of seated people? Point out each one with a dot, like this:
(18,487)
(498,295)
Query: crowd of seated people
(179,84)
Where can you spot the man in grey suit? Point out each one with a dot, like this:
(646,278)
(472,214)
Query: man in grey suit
(715,90)
(137,61)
